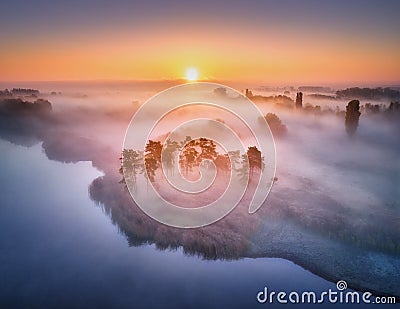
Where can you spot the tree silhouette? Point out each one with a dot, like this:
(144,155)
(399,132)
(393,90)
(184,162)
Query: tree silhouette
(352,117)
(234,156)
(255,159)
(152,158)
(195,151)
(222,163)
(243,170)
(275,124)
(168,154)
(188,157)
(299,100)
(184,142)
(208,149)
(132,163)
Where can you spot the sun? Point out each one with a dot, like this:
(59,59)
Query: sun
(191,74)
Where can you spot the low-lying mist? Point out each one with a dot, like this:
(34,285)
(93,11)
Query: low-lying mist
(340,188)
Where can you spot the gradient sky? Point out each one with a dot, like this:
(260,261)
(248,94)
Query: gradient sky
(264,41)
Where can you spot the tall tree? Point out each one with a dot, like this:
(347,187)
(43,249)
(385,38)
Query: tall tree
(189,155)
(222,163)
(299,100)
(208,149)
(255,159)
(243,170)
(234,156)
(131,164)
(152,158)
(352,117)
(168,154)
(275,124)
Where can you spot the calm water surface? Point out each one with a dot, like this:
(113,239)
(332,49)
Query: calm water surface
(58,249)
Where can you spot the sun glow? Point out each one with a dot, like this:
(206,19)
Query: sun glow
(191,74)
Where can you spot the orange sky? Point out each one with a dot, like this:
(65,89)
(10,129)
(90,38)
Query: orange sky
(220,50)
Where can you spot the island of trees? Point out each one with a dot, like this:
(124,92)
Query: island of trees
(192,153)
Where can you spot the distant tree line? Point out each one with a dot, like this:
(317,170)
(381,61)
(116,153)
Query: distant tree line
(369,108)
(318,96)
(368,93)
(314,89)
(19,91)
(351,115)
(279,100)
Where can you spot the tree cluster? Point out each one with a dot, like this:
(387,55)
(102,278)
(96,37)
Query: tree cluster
(192,153)
(277,127)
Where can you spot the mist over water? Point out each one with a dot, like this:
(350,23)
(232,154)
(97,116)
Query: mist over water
(331,192)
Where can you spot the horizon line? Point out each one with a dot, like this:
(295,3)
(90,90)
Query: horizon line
(221,81)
